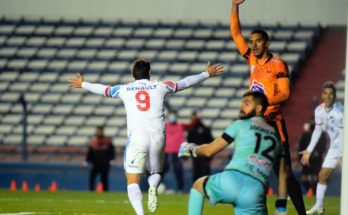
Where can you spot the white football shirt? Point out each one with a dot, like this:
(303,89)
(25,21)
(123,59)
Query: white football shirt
(144,103)
(331,121)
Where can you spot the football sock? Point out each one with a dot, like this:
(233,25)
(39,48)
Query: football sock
(196,201)
(135,197)
(154,180)
(295,193)
(281,204)
(321,190)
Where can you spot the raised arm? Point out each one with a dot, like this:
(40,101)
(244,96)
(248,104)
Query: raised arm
(78,82)
(235,28)
(193,80)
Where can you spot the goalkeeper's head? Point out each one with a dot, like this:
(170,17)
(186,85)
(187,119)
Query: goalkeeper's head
(253,104)
(141,69)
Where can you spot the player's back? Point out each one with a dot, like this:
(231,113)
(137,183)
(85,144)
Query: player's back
(144,104)
(256,147)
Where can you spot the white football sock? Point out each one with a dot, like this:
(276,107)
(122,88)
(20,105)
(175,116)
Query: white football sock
(320,195)
(154,180)
(135,197)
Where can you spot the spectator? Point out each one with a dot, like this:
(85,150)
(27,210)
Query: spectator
(199,134)
(309,174)
(175,135)
(100,153)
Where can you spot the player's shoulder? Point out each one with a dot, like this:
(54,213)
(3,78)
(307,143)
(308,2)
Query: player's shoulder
(239,123)
(261,122)
(320,108)
(339,107)
(277,59)
(168,84)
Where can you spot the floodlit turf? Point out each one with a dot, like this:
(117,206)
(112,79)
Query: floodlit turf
(87,203)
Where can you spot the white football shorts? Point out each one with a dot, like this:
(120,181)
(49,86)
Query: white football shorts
(332,158)
(144,148)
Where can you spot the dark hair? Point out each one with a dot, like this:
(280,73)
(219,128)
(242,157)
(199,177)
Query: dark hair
(141,69)
(262,32)
(331,85)
(259,98)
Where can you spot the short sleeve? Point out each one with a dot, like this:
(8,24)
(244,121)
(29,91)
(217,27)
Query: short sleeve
(232,129)
(282,70)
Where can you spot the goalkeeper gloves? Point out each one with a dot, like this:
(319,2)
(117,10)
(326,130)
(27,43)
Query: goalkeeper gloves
(187,149)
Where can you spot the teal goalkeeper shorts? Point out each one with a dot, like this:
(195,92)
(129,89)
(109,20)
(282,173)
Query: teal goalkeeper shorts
(245,193)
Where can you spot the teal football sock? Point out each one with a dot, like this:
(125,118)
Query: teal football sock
(196,201)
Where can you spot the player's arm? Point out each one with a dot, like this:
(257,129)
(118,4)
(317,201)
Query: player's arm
(205,150)
(283,92)
(235,29)
(208,150)
(314,140)
(78,82)
(193,80)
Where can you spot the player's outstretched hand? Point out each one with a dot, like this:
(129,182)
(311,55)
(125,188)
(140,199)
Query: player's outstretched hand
(76,82)
(237,2)
(186,149)
(305,157)
(214,70)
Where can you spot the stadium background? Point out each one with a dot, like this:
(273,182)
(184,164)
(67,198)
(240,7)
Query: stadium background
(53,156)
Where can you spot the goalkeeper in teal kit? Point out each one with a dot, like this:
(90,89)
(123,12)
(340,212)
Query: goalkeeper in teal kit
(244,180)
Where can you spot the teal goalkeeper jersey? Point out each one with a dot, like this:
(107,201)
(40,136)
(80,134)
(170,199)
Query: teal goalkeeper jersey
(256,147)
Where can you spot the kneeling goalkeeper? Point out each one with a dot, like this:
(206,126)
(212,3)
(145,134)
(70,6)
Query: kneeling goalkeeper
(244,181)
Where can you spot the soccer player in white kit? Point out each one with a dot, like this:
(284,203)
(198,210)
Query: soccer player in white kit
(329,119)
(144,103)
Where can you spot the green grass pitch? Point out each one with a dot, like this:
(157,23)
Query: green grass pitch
(90,203)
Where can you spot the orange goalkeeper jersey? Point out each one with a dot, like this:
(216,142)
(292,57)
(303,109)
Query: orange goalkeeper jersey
(270,78)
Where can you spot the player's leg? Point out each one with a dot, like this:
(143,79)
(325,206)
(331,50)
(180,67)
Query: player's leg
(134,192)
(196,198)
(293,186)
(155,163)
(282,188)
(134,163)
(330,162)
(279,169)
(290,182)
(251,198)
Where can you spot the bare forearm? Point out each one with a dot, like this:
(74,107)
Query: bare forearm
(204,151)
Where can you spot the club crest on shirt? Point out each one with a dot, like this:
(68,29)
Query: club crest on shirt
(257,87)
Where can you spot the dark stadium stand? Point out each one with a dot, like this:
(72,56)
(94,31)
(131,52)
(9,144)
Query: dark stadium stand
(38,56)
